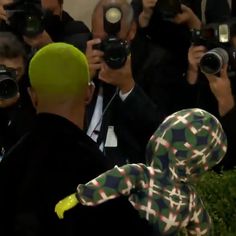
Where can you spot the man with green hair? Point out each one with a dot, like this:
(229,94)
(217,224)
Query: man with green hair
(56,154)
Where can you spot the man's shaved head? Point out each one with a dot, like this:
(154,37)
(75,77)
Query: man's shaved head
(59,71)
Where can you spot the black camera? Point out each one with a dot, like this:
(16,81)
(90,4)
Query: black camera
(167,9)
(26,17)
(8,84)
(216,38)
(115,49)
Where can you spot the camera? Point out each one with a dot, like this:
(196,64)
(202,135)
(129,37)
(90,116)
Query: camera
(167,9)
(213,61)
(8,84)
(216,38)
(26,17)
(115,49)
(115,52)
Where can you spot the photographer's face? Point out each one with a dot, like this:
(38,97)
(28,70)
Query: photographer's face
(14,63)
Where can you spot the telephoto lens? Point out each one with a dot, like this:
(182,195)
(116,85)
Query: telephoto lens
(213,60)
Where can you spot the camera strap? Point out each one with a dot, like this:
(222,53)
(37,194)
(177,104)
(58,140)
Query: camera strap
(203,11)
(97,125)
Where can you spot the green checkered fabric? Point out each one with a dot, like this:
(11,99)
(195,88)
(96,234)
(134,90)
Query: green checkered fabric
(186,144)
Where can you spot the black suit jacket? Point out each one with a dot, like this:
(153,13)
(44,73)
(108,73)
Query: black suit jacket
(44,167)
(134,121)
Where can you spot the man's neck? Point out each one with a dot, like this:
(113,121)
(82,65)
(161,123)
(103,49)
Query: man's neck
(76,116)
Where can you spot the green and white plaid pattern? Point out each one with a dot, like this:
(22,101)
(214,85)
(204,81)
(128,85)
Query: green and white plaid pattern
(185,145)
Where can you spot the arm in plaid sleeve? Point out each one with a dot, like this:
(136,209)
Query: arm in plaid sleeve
(200,221)
(113,183)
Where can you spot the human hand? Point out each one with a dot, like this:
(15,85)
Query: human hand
(121,78)
(66,204)
(3,14)
(9,102)
(94,57)
(145,15)
(148,5)
(195,53)
(221,88)
(188,17)
(39,40)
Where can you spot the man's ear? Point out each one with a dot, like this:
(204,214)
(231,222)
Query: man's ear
(90,92)
(132,31)
(33,96)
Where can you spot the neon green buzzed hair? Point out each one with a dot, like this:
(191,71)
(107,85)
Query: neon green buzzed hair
(59,69)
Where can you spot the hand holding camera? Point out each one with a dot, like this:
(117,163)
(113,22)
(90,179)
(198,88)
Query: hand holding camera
(9,101)
(221,88)
(148,5)
(25,17)
(3,14)
(94,57)
(39,40)
(110,55)
(146,14)
(216,38)
(187,16)
(121,78)
(195,53)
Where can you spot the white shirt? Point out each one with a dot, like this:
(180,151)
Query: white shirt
(96,121)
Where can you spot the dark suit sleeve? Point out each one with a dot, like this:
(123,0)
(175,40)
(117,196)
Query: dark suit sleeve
(77,34)
(228,121)
(140,109)
(228,124)
(137,7)
(217,11)
(137,118)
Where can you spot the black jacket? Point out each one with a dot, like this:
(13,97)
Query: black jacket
(67,30)
(134,121)
(229,125)
(44,167)
(159,58)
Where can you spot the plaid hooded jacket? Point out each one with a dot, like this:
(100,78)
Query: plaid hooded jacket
(185,145)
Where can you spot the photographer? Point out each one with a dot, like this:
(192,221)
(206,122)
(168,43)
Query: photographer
(53,23)
(160,51)
(215,93)
(16,110)
(120,118)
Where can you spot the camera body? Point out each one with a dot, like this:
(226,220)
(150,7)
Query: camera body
(115,49)
(167,9)
(216,38)
(8,83)
(26,17)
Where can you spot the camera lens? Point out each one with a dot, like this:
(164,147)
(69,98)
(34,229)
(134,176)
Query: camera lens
(115,52)
(8,87)
(33,26)
(213,60)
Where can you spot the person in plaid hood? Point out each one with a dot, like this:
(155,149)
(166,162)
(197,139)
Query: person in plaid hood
(187,144)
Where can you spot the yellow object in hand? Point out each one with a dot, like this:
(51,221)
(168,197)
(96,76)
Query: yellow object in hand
(65,205)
